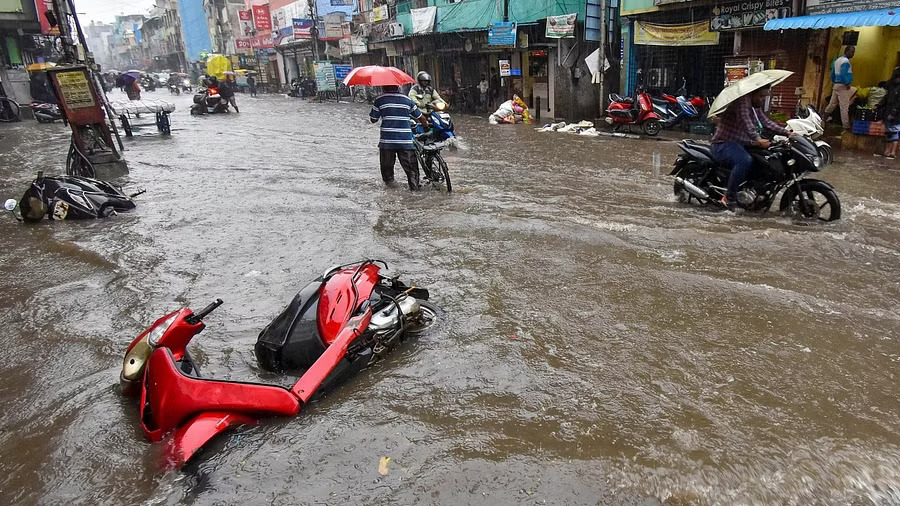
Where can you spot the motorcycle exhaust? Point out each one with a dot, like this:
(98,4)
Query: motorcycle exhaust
(692,188)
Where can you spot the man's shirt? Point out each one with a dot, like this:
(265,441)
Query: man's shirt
(742,123)
(395,110)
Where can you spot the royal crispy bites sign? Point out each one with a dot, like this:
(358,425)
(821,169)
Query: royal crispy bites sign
(745,14)
(692,34)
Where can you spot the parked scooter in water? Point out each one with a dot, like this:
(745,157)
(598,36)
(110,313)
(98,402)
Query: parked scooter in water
(637,111)
(344,321)
(809,123)
(45,113)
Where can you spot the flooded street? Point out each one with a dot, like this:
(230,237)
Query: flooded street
(601,344)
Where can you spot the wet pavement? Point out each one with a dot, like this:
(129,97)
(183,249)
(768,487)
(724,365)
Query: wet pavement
(601,343)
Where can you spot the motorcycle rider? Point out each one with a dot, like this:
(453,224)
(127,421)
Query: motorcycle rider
(422,94)
(742,126)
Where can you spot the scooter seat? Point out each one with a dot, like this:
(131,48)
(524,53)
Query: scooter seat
(615,97)
(169,397)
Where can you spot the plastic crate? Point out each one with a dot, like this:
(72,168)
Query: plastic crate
(876,128)
(861,127)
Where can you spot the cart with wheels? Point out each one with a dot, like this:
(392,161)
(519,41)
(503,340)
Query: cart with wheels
(129,111)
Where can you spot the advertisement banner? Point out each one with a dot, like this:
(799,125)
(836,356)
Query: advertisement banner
(242,44)
(246,18)
(261,18)
(502,33)
(561,27)
(343,3)
(283,36)
(44,6)
(302,28)
(842,6)
(341,71)
(333,28)
(748,14)
(504,68)
(379,13)
(691,34)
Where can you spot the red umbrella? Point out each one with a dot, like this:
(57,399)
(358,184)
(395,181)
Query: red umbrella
(376,75)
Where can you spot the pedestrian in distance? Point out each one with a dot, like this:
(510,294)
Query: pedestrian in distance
(226,91)
(494,87)
(483,88)
(394,110)
(251,83)
(892,115)
(842,93)
(743,125)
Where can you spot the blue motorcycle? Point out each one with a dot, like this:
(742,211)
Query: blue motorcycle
(674,110)
(430,143)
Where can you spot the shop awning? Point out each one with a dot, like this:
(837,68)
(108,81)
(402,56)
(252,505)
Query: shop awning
(881,17)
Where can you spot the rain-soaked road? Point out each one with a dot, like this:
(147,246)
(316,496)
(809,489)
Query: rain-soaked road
(602,344)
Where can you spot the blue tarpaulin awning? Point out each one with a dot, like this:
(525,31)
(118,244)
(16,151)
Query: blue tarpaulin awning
(881,17)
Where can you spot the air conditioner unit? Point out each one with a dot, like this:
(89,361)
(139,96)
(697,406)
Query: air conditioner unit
(395,30)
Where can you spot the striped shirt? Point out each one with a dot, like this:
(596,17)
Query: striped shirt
(395,110)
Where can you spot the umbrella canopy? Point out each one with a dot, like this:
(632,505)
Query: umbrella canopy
(375,75)
(134,74)
(40,66)
(746,86)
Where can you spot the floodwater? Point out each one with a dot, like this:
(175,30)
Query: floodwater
(601,344)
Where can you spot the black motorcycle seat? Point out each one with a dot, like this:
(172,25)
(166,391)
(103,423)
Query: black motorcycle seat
(701,150)
(615,97)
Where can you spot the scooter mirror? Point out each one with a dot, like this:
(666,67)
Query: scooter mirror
(10,205)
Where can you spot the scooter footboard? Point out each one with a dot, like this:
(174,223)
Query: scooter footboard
(198,431)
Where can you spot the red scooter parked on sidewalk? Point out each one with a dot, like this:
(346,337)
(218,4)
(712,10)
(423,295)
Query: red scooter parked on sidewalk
(633,111)
(339,324)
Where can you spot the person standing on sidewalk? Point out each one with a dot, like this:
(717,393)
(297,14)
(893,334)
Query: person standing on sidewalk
(892,115)
(395,109)
(842,94)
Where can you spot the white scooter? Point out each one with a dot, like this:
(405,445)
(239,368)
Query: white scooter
(808,123)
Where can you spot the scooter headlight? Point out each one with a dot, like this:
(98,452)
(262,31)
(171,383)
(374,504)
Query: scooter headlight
(156,334)
(186,82)
(817,162)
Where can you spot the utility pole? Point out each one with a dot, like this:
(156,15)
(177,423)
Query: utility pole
(314,31)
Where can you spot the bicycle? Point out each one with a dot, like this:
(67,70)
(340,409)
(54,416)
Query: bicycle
(431,160)
(9,110)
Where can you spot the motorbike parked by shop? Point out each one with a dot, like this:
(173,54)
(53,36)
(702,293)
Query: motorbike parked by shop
(783,166)
(341,323)
(637,111)
(679,108)
(45,113)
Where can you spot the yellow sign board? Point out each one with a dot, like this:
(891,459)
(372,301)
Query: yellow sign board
(691,34)
(75,89)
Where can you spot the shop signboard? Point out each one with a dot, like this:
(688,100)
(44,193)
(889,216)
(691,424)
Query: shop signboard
(341,71)
(334,26)
(743,14)
(691,34)
(325,80)
(261,18)
(302,28)
(515,72)
(343,3)
(502,33)
(841,6)
(262,41)
(734,73)
(504,68)
(561,27)
(242,44)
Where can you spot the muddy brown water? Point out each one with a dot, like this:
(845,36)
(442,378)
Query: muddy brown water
(601,344)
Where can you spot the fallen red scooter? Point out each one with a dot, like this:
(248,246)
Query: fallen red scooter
(625,111)
(339,324)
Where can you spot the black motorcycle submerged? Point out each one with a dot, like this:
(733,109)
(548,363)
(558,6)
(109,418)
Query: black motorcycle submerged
(70,197)
(782,166)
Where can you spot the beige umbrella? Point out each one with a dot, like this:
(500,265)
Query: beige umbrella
(746,86)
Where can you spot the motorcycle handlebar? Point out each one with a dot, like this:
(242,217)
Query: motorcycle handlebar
(198,317)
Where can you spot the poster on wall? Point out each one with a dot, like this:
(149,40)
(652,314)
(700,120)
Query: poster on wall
(691,34)
(753,14)
(734,73)
(246,18)
(302,28)
(561,27)
(43,7)
(504,68)
(261,18)
(502,33)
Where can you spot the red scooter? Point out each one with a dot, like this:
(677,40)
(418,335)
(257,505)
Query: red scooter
(339,324)
(637,111)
